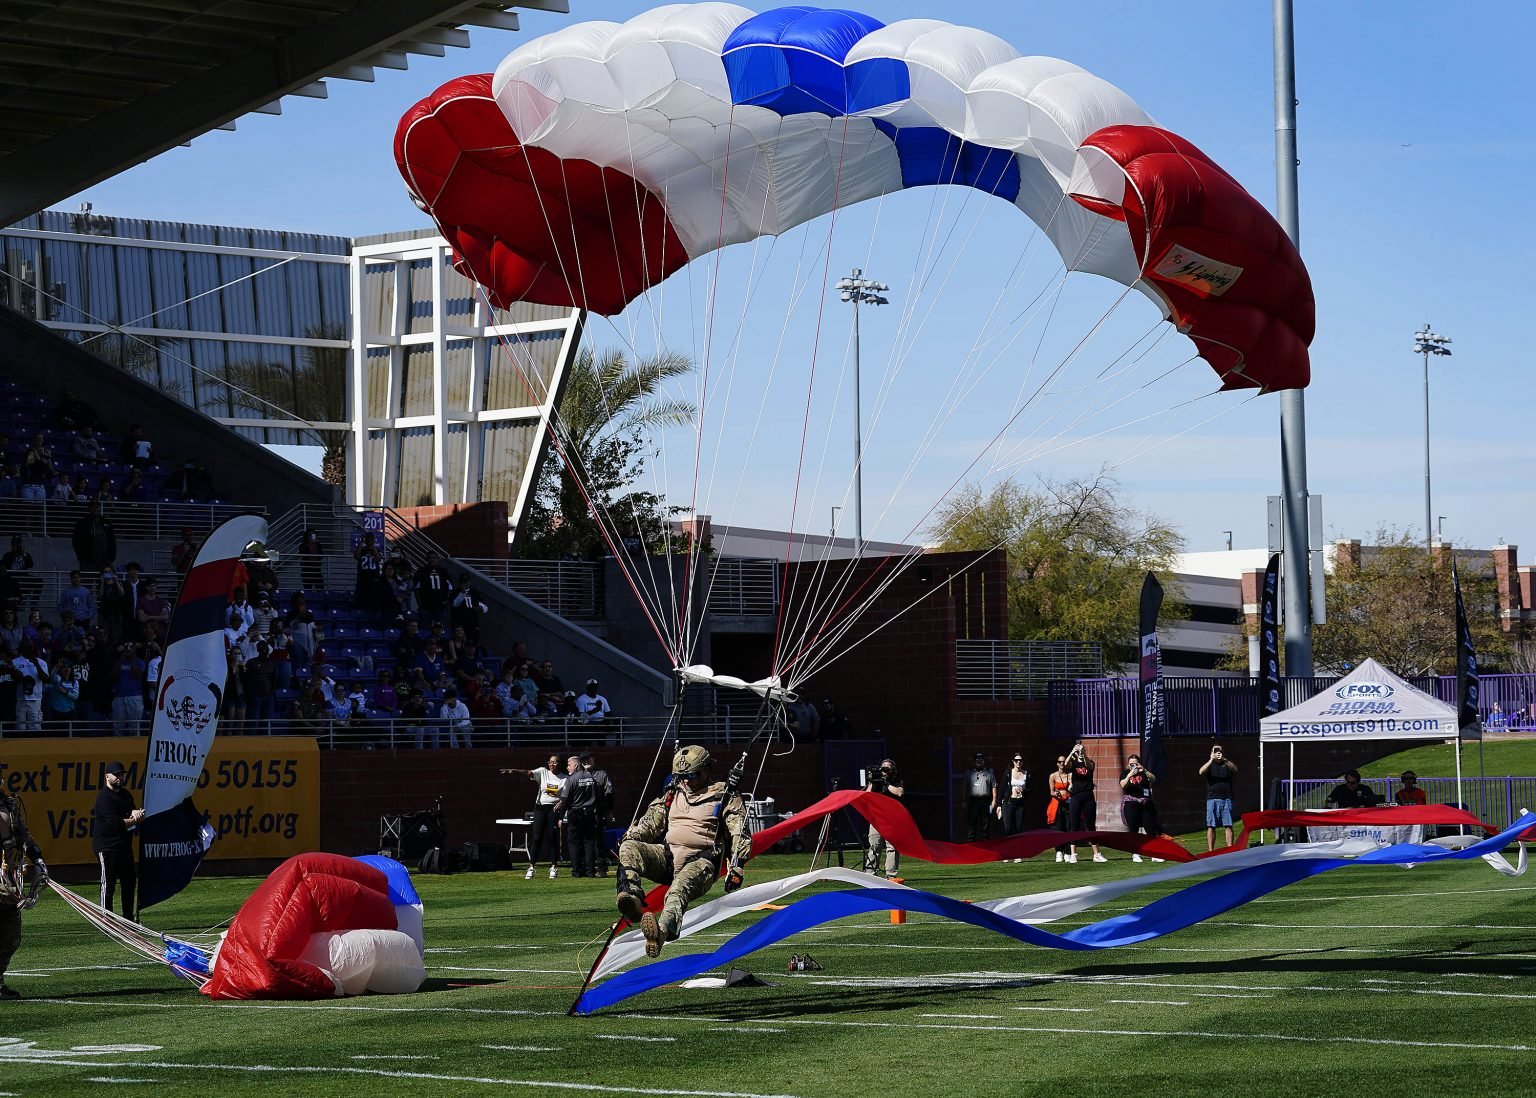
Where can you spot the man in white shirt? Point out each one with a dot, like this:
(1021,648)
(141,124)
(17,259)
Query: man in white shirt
(590,705)
(455,715)
(29,667)
(548,778)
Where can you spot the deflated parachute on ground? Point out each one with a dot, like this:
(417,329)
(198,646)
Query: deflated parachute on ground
(601,158)
(323,925)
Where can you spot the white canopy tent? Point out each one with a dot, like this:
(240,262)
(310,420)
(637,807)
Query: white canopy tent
(1369,703)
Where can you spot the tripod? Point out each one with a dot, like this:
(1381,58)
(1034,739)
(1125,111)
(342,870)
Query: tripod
(838,832)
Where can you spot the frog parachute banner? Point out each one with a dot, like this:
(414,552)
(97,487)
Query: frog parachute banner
(600,159)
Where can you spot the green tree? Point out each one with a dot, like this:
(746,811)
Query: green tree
(1077,555)
(1396,605)
(609,406)
(314,391)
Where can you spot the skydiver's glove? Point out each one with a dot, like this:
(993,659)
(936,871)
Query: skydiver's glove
(734,879)
(39,870)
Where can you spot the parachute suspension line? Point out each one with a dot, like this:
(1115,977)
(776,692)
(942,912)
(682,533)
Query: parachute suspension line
(117,329)
(557,429)
(809,645)
(805,423)
(126,932)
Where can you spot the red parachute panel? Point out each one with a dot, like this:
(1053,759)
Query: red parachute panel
(307,894)
(524,223)
(1230,275)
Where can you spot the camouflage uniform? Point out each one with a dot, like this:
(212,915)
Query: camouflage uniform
(648,848)
(20,860)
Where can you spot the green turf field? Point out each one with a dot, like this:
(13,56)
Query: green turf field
(1415,981)
(1494,757)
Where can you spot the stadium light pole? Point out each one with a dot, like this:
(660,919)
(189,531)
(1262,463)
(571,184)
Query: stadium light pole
(860,291)
(1426,343)
(1297,588)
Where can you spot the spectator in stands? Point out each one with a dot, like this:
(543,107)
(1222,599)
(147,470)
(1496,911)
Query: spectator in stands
(1350,793)
(154,659)
(263,616)
(10,480)
(409,644)
(1012,796)
(455,717)
(76,597)
(41,634)
(835,724)
(7,686)
(466,670)
(514,704)
(18,562)
(62,696)
(462,642)
(136,450)
(235,631)
(312,561)
(401,588)
(385,697)
(133,489)
(1137,808)
(84,447)
(128,691)
(282,656)
(369,590)
(31,672)
(37,471)
(433,590)
(94,540)
(112,604)
(523,677)
(82,489)
(100,663)
(69,634)
(10,591)
(240,603)
(1409,792)
(133,585)
(466,610)
(429,671)
(184,552)
(74,413)
(193,482)
(62,491)
(389,593)
(301,631)
(154,611)
(591,705)
(317,655)
(260,687)
(548,685)
(484,706)
(10,629)
(1218,772)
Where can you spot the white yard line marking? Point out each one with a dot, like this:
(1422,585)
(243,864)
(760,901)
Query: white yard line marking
(382,1073)
(968,1017)
(501,971)
(1368,926)
(521,1048)
(1151,1002)
(629,1037)
(744,1029)
(112,1079)
(1056,1009)
(393,1056)
(1228,995)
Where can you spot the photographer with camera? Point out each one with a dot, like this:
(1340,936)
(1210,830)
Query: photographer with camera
(1136,805)
(1218,773)
(1082,807)
(882,779)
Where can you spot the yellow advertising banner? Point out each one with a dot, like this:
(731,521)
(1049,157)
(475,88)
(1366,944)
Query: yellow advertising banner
(261,793)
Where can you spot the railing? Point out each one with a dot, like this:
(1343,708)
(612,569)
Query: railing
(1497,801)
(40,590)
(744,587)
(1232,706)
(572,589)
(131,521)
(1022,669)
(553,732)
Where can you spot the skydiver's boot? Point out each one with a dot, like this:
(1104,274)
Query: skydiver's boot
(658,930)
(631,900)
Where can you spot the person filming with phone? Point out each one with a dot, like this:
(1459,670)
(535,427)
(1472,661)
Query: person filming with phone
(1218,773)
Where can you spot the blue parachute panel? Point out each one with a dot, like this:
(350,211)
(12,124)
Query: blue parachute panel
(790,60)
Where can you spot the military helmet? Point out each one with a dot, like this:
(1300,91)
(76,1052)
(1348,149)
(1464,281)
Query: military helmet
(690,761)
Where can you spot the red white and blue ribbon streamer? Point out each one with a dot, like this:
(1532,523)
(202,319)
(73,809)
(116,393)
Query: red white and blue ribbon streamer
(1244,876)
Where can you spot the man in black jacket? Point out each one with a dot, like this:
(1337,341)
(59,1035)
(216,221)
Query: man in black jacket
(585,799)
(112,823)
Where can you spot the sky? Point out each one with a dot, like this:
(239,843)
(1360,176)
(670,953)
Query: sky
(1415,143)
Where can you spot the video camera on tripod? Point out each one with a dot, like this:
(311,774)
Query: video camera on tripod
(879,778)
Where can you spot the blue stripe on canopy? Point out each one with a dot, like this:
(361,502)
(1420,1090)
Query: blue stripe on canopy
(790,60)
(930,155)
(1177,911)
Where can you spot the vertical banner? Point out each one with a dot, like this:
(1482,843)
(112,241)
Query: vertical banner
(1269,639)
(187,708)
(1468,718)
(1154,717)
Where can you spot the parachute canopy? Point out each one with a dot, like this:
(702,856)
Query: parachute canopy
(322,925)
(602,158)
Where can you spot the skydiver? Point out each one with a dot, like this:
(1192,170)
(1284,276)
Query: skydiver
(681,841)
(21,865)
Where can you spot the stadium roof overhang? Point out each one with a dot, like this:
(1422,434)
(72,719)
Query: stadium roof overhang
(91,87)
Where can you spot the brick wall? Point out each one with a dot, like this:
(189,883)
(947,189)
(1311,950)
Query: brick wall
(357,787)
(463,529)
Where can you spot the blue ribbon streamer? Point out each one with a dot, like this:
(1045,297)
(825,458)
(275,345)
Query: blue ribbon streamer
(1177,911)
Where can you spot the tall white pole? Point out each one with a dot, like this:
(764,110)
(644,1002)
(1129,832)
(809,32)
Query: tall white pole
(1297,588)
(1429,528)
(858,442)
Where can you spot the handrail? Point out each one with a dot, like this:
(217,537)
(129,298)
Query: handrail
(1021,669)
(131,521)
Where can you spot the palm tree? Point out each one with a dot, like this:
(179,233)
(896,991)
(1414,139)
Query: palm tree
(609,404)
(315,391)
